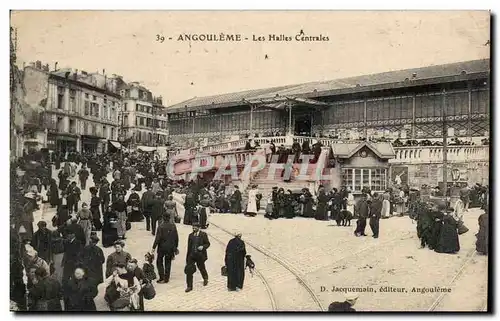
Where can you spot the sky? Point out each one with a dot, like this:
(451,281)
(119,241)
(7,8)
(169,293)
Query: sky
(360,42)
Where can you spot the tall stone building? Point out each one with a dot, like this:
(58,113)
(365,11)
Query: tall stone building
(144,119)
(80,109)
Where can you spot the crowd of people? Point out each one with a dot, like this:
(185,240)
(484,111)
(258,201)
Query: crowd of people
(65,261)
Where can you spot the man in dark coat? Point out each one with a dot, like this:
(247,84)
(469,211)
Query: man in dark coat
(196,253)
(363,209)
(46,293)
(235,263)
(346,306)
(73,197)
(190,206)
(72,255)
(73,227)
(79,292)
(147,206)
(375,214)
(236,201)
(167,243)
(156,212)
(83,175)
(93,259)
(42,242)
(104,195)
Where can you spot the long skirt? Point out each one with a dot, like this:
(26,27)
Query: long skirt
(87,229)
(188,216)
(122,224)
(96,218)
(203,220)
(109,235)
(58,268)
(136,216)
(386,209)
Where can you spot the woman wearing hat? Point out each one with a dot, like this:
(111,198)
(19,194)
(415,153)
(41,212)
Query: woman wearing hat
(252,201)
(447,241)
(93,259)
(85,220)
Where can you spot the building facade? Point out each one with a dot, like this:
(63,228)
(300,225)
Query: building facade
(80,110)
(406,104)
(143,117)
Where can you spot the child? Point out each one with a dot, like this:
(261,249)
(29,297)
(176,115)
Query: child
(148,267)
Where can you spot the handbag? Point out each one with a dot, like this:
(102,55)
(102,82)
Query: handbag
(461,228)
(190,269)
(54,221)
(111,294)
(148,291)
(223,271)
(121,303)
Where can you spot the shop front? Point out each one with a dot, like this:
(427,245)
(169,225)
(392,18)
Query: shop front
(91,145)
(63,144)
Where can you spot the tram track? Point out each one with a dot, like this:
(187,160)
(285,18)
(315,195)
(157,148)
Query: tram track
(439,299)
(269,291)
(294,271)
(287,266)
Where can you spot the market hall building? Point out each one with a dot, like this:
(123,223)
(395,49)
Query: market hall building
(406,104)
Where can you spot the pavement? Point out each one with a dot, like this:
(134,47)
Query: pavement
(315,256)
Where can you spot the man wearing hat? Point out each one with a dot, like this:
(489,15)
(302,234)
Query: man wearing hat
(346,306)
(204,211)
(167,242)
(196,253)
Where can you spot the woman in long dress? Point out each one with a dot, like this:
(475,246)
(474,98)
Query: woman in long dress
(179,200)
(448,241)
(235,263)
(482,235)
(53,193)
(350,202)
(109,228)
(386,206)
(252,202)
(321,210)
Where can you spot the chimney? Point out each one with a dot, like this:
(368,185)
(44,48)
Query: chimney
(46,68)
(38,64)
(104,71)
(55,66)
(75,74)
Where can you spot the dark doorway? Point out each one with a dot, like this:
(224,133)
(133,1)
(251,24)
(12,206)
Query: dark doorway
(303,125)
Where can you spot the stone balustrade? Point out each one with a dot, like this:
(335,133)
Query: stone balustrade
(434,154)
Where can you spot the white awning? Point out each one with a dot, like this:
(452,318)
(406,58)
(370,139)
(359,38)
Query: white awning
(116,144)
(146,148)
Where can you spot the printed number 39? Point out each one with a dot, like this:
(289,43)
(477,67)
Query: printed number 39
(160,38)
